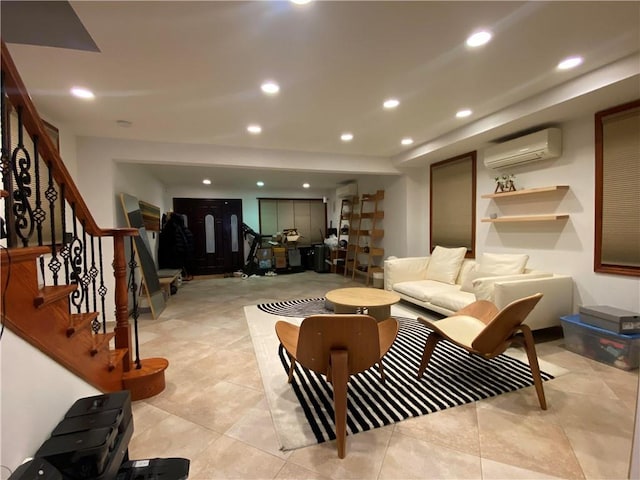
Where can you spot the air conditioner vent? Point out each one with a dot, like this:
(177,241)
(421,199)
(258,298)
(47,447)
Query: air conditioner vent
(541,145)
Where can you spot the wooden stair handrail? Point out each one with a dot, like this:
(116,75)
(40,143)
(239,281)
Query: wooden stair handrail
(19,96)
(147,378)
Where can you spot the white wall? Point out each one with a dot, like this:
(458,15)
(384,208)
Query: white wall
(135,181)
(562,246)
(36,393)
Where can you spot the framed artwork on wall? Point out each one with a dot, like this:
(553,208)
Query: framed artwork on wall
(53,133)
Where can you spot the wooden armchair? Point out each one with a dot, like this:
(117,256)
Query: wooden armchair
(338,346)
(481,329)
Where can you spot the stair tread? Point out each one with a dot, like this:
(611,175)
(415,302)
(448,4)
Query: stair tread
(22,254)
(100,340)
(150,366)
(116,356)
(80,321)
(53,293)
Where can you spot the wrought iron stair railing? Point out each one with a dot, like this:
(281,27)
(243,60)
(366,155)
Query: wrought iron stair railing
(43,207)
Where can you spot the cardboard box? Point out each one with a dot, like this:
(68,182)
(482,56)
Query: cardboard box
(611,318)
(264,253)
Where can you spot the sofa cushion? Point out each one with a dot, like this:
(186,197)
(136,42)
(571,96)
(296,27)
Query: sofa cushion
(502,263)
(452,299)
(445,263)
(468,265)
(421,290)
(467,283)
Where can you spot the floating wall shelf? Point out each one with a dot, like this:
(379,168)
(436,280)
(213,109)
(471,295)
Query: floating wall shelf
(527,218)
(528,191)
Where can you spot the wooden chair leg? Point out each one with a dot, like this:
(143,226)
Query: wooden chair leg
(292,368)
(340,377)
(429,347)
(530,347)
(381,370)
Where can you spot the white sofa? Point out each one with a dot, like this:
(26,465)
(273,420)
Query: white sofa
(458,286)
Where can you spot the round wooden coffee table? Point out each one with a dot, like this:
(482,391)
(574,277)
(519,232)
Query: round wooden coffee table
(372,301)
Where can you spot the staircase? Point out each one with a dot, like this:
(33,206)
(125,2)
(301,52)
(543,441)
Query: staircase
(61,311)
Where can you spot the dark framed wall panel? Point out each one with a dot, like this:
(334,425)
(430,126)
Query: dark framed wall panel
(452,195)
(617,196)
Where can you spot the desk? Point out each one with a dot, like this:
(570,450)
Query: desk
(354,300)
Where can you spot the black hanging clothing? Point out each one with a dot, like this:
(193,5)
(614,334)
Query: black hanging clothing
(175,246)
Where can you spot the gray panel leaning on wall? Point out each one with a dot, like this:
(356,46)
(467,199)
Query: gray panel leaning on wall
(148,271)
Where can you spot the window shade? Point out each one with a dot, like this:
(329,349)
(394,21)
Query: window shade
(620,192)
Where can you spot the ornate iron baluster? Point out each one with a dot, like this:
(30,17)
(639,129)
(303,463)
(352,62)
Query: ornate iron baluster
(66,247)
(52,195)
(93,274)
(85,280)
(21,163)
(5,158)
(102,290)
(75,251)
(134,287)
(39,215)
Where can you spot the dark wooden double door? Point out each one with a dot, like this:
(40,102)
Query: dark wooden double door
(216,225)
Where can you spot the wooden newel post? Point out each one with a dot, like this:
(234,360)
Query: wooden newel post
(121,298)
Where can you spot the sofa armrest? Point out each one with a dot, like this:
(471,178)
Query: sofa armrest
(404,270)
(484,287)
(556,301)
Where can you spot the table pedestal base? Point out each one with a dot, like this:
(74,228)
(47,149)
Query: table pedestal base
(379,313)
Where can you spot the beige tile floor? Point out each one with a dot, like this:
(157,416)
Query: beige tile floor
(214,412)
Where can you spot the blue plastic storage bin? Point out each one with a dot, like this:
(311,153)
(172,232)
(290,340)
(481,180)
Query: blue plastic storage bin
(617,350)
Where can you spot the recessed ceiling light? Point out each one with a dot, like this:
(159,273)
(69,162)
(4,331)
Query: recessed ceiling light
(391,103)
(206,181)
(479,38)
(82,93)
(463,113)
(346,137)
(255,129)
(270,88)
(301,2)
(260,183)
(570,62)
(406,141)
(305,185)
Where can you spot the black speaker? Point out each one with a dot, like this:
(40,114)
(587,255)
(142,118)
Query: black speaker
(321,259)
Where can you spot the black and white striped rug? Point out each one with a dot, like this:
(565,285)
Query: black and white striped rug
(296,308)
(453,378)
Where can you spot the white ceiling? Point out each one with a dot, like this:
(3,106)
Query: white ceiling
(190,72)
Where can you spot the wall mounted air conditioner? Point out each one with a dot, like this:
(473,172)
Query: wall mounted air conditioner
(347,190)
(540,145)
